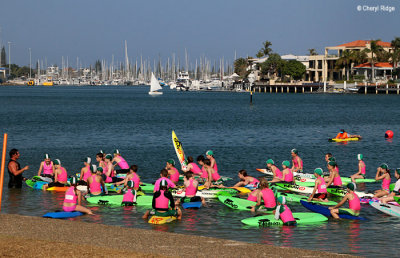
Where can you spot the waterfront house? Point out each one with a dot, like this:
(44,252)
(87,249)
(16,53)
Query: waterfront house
(323,67)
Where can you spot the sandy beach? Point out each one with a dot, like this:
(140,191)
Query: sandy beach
(24,236)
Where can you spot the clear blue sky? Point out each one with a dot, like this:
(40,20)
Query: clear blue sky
(96,29)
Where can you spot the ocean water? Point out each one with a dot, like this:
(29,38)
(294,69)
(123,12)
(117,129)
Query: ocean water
(71,123)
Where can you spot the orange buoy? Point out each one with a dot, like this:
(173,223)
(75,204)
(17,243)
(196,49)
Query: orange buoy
(389,134)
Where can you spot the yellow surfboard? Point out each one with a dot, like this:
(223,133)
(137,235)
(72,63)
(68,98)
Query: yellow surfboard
(179,150)
(161,220)
(344,140)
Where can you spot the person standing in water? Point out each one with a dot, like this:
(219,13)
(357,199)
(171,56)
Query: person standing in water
(361,169)
(121,162)
(297,161)
(47,167)
(14,170)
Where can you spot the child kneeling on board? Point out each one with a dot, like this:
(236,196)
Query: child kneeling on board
(163,203)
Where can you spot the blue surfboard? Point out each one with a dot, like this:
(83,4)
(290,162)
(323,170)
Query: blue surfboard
(191,205)
(62,214)
(39,185)
(326,212)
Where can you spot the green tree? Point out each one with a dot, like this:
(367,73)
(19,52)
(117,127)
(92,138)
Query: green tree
(294,69)
(3,59)
(396,54)
(240,65)
(265,50)
(272,66)
(345,60)
(312,52)
(374,49)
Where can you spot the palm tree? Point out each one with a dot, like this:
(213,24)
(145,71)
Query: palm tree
(374,49)
(396,52)
(265,50)
(345,61)
(312,52)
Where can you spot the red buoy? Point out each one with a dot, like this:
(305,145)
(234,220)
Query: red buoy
(389,134)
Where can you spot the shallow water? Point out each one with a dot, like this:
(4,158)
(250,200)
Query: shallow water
(71,123)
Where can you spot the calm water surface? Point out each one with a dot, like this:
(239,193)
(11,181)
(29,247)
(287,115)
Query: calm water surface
(71,123)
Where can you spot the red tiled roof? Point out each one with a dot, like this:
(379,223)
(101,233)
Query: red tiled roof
(368,65)
(363,43)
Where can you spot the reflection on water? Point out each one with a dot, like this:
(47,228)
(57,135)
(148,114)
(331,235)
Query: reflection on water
(242,136)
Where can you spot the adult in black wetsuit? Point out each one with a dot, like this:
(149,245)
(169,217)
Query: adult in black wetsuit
(14,170)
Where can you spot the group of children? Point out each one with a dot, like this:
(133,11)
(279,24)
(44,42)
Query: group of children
(95,177)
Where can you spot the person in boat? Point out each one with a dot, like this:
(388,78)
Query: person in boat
(265,194)
(73,199)
(14,170)
(193,167)
(319,193)
(361,169)
(47,167)
(129,198)
(383,173)
(85,171)
(118,160)
(277,174)
(95,182)
(344,135)
(163,176)
(163,203)
(173,173)
(60,176)
(246,180)
(396,189)
(354,203)
(297,161)
(210,156)
(334,177)
(284,213)
(287,174)
(191,187)
(213,178)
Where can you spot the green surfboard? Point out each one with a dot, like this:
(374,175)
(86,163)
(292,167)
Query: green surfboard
(238,203)
(145,200)
(300,217)
(297,198)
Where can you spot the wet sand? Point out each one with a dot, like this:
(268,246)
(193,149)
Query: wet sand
(24,236)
